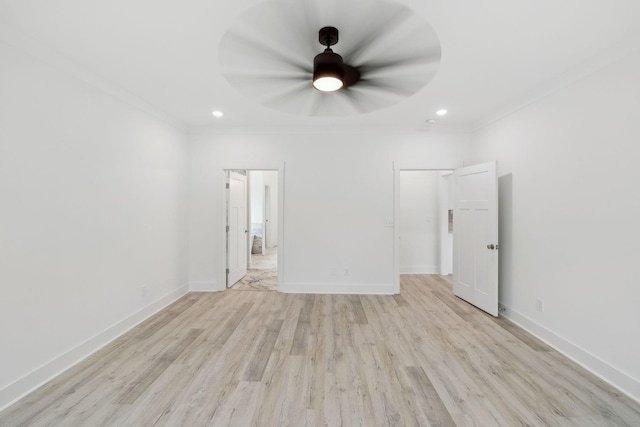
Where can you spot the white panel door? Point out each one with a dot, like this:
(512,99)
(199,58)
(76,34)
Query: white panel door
(475,236)
(237,233)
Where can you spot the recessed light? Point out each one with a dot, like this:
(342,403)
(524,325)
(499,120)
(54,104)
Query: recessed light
(217,114)
(442,112)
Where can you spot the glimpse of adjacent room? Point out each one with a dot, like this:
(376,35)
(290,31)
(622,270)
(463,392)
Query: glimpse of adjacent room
(425,226)
(253,262)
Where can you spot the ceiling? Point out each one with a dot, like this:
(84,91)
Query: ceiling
(495,54)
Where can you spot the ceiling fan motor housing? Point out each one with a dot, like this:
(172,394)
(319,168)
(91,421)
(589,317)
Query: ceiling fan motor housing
(328,64)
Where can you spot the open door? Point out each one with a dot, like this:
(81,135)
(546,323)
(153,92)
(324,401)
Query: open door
(237,228)
(475,236)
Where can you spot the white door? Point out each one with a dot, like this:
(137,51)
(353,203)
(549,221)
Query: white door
(237,232)
(475,236)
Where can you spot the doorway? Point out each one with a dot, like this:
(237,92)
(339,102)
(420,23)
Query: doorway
(474,193)
(258,235)
(426,239)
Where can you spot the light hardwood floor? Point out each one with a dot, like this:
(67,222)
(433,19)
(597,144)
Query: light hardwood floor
(243,358)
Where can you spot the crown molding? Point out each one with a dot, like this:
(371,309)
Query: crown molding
(627,47)
(331,129)
(13,37)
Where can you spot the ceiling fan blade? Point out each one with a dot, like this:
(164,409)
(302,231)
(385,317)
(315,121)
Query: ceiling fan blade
(292,95)
(389,63)
(270,53)
(377,28)
(264,84)
(400,87)
(303,26)
(250,76)
(318,101)
(331,104)
(357,99)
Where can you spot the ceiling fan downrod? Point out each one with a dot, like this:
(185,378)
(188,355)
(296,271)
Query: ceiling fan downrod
(328,68)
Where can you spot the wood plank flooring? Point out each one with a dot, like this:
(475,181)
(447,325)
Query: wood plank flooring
(255,358)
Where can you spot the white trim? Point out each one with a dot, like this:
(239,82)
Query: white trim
(39,376)
(337,288)
(420,269)
(334,129)
(281,213)
(222,240)
(608,373)
(429,165)
(396,228)
(204,287)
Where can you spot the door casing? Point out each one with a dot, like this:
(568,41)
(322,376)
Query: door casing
(412,166)
(222,242)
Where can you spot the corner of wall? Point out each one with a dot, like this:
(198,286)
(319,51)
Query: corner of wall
(603,370)
(48,371)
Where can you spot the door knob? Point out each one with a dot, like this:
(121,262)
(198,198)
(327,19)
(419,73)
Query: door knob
(491,246)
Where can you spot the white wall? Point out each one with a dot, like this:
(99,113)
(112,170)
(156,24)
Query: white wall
(271,180)
(92,219)
(419,222)
(338,190)
(570,218)
(258,181)
(256,194)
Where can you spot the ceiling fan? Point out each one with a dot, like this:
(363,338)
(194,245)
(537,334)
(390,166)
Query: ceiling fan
(330,73)
(387,53)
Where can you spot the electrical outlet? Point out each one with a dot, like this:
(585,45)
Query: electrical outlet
(540,305)
(388,222)
(144,291)
(346,271)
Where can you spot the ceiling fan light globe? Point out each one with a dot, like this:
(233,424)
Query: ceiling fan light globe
(327,84)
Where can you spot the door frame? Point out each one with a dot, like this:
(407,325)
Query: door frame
(433,166)
(222,224)
(266,218)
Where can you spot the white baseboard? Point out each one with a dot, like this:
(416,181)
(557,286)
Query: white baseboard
(25,385)
(420,269)
(204,287)
(608,373)
(335,288)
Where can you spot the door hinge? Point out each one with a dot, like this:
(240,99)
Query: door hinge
(227,271)
(227,185)
(227,228)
